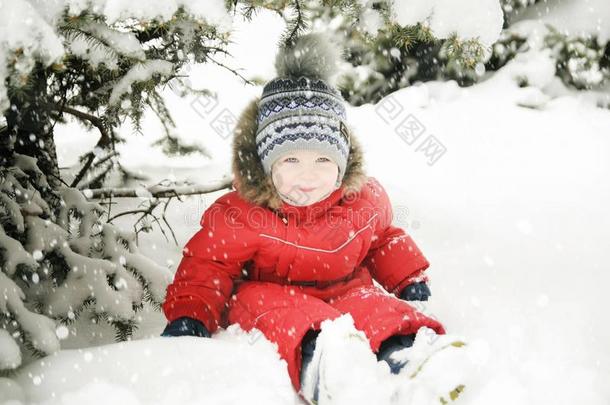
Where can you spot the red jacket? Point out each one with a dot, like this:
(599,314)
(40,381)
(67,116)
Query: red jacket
(322,248)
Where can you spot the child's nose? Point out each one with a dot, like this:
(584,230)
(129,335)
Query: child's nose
(308,172)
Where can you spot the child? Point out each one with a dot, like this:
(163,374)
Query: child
(304,234)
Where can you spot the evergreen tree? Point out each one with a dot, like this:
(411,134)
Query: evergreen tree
(62,258)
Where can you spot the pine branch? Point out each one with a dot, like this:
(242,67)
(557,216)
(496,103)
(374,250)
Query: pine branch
(158,107)
(105,159)
(295,26)
(298,23)
(124,329)
(158,191)
(103,142)
(155,32)
(98,179)
(59,179)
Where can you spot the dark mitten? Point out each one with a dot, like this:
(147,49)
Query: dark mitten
(186,326)
(416,292)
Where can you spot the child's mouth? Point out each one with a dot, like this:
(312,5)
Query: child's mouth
(306,190)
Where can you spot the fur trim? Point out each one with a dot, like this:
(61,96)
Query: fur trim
(249,178)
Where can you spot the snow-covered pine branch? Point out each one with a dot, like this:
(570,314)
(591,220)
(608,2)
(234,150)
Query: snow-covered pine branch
(61,264)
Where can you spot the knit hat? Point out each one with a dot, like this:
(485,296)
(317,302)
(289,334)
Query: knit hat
(301,109)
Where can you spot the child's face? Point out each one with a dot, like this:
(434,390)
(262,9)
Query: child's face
(304,177)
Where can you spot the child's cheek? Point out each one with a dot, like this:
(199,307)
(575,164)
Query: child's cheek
(283,179)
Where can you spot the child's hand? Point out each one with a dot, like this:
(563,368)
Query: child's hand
(416,292)
(186,326)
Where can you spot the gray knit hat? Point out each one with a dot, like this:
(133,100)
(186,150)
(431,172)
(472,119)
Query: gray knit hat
(301,110)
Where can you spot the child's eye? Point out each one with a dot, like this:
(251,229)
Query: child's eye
(291,160)
(323,159)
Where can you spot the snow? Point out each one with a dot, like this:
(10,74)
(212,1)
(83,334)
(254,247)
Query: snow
(185,370)
(157,276)
(139,73)
(10,354)
(371,21)
(39,327)
(583,70)
(16,255)
(483,18)
(213,11)
(124,43)
(513,218)
(339,345)
(437,365)
(574,18)
(32,35)
(520,189)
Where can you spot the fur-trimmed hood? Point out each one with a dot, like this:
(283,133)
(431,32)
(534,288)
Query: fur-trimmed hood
(249,178)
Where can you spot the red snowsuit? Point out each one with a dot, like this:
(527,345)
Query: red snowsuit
(285,272)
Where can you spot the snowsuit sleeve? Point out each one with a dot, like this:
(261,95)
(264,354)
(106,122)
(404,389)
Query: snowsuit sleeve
(212,260)
(393,259)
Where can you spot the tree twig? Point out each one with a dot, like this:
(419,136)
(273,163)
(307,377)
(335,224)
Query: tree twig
(165,219)
(149,211)
(235,72)
(159,191)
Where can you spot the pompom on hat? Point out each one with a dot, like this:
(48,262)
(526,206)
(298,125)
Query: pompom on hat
(301,109)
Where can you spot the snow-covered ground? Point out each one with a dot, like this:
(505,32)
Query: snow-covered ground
(512,216)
